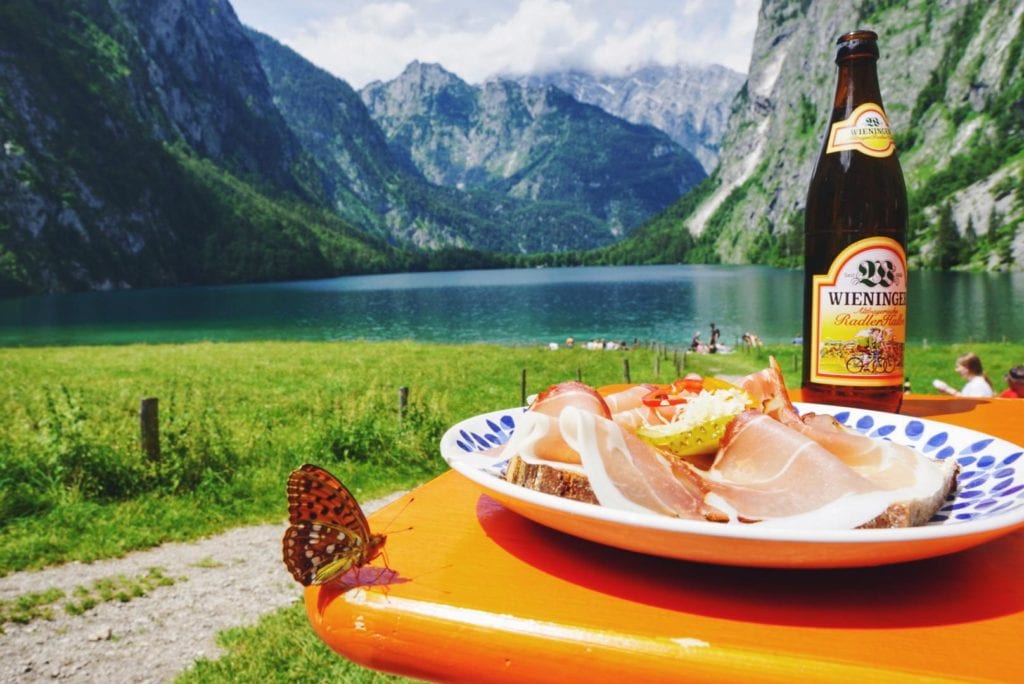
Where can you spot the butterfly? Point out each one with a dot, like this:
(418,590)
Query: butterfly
(328,534)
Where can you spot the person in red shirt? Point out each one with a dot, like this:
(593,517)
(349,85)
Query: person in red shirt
(1015,380)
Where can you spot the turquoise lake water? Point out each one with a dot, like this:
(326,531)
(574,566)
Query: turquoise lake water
(535,306)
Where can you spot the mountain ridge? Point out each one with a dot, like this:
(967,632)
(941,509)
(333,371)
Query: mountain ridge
(952,84)
(689,102)
(528,143)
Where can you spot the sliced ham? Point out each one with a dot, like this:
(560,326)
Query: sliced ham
(627,473)
(537,436)
(628,399)
(637,417)
(765,470)
(768,390)
(884,463)
(556,397)
(887,465)
(768,471)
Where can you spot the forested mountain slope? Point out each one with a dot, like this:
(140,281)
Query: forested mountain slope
(952,80)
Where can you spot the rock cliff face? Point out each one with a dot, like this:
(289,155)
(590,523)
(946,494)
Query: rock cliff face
(208,80)
(689,102)
(951,80)
(140,146)
(529,143)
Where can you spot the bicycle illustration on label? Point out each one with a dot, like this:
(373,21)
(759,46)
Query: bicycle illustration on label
(873,351)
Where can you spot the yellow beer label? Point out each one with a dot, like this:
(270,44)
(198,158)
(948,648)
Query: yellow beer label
(866,131)
(859,316)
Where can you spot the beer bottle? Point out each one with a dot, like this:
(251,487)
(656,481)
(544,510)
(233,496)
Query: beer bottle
(855,265)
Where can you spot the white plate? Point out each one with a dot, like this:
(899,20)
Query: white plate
(989,501)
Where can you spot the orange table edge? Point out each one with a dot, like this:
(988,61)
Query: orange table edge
(477,593)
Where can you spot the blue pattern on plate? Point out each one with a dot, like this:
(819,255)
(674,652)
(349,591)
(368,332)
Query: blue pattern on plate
(883,431)
(489,434)
(988,484)
(914,429)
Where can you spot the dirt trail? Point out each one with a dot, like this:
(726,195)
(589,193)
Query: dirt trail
(229,580)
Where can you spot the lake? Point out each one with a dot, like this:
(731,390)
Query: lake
(530,306)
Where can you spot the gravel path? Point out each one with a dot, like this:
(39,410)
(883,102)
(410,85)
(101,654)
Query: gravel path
(229,580)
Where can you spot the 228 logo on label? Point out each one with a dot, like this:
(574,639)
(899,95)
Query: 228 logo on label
(877,273)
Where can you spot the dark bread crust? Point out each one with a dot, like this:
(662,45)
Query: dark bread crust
(568,484)
(918,512)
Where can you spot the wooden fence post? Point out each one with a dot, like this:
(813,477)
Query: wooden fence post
(579,374)
(149,428)
(625,370)
(657,366)
(522,388)
(403,401)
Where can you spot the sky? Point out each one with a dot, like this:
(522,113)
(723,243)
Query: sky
(365,40)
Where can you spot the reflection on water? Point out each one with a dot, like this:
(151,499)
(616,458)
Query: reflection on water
(667,303)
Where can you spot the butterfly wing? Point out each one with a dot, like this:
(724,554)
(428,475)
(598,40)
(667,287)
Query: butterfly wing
(317,552)
(314,494)
(329,533)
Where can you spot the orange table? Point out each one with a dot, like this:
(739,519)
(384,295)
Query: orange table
(479,593)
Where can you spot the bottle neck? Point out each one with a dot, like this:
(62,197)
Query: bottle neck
(856,84)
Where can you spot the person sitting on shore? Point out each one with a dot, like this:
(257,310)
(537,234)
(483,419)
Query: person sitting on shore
(970,369)
(1015,382)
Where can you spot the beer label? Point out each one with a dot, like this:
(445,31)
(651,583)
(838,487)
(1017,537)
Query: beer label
(866,131)
(859,316)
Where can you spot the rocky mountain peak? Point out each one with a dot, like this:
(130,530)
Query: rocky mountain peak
(950,75)
(689,102)
(530,142)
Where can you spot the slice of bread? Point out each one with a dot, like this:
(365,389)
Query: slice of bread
(550,479)
(919,511)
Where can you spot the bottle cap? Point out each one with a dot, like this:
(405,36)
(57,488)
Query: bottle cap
(860,43)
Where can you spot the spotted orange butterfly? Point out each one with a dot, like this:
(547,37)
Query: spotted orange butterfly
(329,534)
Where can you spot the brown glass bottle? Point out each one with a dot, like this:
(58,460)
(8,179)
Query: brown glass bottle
(855,274)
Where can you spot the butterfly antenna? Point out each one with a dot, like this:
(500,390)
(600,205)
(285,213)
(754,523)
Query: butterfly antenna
(387,527)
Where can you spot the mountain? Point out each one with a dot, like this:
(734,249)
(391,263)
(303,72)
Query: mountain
(383,194)
(139,146)
(148,144)
(690,102)
(952,82)
(529,143)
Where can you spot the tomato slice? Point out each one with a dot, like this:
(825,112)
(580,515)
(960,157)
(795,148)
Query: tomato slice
(663,397)
(694,385)
(675,394)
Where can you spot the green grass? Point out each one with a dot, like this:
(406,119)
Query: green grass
(236,418)
(39,605)
(118,588)
(281,647)
(28,607)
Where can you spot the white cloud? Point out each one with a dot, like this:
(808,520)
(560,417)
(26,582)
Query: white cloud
(364,41)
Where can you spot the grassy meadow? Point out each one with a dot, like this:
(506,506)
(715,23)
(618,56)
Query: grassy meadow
(236,418)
